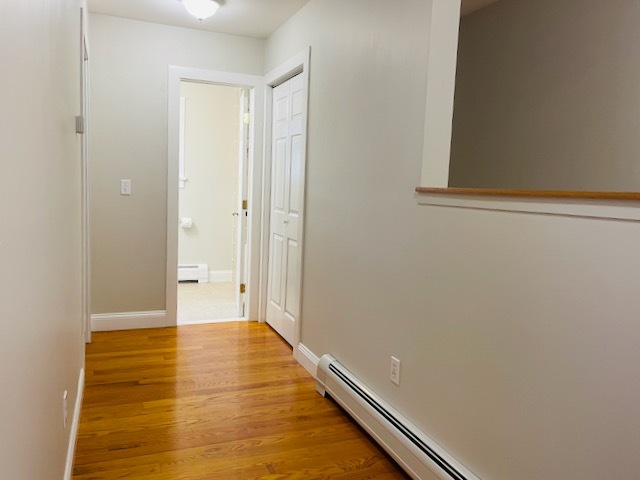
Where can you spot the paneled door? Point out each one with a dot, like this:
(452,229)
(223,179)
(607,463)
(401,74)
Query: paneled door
(287,198)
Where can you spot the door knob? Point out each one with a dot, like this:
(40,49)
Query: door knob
(235,214)
(285,221)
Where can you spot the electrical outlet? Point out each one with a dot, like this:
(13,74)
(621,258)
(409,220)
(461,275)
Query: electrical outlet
(395,371)
(64,409)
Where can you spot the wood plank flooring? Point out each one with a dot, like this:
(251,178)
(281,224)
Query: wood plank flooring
(221,401)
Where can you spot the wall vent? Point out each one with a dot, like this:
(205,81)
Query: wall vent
(415,452)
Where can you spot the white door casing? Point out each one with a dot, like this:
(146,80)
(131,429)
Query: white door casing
(286,212)
(255,86)
(241,210)
(86,206)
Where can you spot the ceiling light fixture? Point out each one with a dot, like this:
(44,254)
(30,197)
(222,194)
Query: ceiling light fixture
(201,9)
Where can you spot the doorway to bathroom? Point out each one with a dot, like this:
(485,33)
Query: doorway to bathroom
(212,210)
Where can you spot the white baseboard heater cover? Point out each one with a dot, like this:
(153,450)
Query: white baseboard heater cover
(418,454)
(191,272)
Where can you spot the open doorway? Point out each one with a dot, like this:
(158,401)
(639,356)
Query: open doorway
(212,240)
(251,205)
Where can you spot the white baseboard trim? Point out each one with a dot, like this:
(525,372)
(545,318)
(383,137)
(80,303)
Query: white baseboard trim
(73,433)
(220,275)
(106,322)
(308,360)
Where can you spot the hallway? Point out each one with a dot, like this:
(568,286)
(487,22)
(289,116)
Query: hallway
(221,401)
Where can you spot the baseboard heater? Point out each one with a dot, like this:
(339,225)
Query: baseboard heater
(414,451)
(193,272)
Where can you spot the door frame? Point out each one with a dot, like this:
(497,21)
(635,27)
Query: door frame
(255,83)
(296,65)
(86,179)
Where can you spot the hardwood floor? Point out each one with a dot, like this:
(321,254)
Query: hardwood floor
(222,401)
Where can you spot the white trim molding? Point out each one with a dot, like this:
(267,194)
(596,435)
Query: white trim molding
(106,322)
(75,422)
(85,173)
(443,26)
(308,360)
(220,275)
(622,210)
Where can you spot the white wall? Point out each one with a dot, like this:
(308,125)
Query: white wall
(547,96)
(212,127)
(41,349)
(518,333)
(129,71)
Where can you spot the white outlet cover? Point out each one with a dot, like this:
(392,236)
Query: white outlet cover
(394,374)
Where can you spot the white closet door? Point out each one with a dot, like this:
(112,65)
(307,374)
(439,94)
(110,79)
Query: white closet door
(287,196)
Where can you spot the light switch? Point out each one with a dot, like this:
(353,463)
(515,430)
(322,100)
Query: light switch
(125,186)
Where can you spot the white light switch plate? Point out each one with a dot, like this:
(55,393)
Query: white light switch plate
(125,186)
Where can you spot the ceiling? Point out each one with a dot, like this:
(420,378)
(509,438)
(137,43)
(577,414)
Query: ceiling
(252,18)
(470,6)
